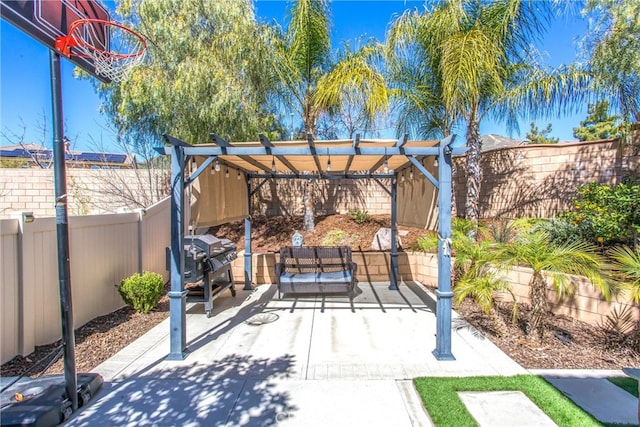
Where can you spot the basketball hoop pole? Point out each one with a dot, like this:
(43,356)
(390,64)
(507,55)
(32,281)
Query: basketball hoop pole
(62,233)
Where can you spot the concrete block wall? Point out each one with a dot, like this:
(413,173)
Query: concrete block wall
(90,191)
(329,197)
(541,180)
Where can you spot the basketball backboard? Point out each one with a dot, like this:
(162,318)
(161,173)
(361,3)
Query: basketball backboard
(44,20)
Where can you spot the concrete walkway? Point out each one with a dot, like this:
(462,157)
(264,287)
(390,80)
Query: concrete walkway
(308,361)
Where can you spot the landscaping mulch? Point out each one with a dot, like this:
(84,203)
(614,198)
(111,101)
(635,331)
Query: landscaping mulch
(568,344)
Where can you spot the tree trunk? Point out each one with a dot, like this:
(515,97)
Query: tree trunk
(538,295)
(308,222)
(474,171)
(498,322)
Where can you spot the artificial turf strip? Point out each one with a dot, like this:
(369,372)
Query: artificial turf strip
(626,383)
(440,397)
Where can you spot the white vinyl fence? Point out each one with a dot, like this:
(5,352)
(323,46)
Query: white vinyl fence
(104,249)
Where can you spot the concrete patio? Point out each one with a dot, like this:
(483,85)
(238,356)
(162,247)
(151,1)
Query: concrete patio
(312,360)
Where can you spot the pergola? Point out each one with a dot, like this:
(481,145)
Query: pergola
(255,163)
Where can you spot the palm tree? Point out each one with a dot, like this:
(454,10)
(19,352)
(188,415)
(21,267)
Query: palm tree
(626,267)
(557,262)
(311,81)
(479,57)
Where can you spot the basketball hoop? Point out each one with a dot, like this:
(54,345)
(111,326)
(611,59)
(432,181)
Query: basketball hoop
(114,49)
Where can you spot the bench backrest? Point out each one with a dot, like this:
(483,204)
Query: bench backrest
(309,259)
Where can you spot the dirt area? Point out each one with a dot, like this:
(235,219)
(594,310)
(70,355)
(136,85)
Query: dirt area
(568,343)
(269,234)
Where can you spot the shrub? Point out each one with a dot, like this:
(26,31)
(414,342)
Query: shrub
(560,231)
(142,292)
(359,216)
(607,214)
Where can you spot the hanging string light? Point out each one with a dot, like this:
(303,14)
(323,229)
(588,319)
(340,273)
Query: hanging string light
(226,173)
(435,162)
(239,177)
(273,164)
(217,165)
(402,177)
(329,162)
(411,173)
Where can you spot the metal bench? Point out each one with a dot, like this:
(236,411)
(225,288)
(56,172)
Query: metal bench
(316,269)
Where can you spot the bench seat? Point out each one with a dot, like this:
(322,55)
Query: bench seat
(315,269)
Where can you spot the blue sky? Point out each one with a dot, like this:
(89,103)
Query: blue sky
(26,92)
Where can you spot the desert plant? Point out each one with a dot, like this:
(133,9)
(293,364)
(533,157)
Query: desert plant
(359,216)
(337,237)
(534,250)
(142,291)
(620,330)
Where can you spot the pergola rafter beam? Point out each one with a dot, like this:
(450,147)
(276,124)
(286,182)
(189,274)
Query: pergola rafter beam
(402,140)
(269,145)
(356,142)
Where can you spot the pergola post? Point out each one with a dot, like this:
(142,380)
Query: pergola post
(394,232)
(177,294)
(443,293)
(248,273)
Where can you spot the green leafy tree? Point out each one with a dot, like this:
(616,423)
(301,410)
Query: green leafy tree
(612,49)
(481,55)
(555,262)
(207,70)
(598,124)
(537,136)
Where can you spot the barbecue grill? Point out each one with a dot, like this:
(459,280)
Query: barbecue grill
(207,268)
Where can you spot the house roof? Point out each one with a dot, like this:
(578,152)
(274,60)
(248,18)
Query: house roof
(29,151)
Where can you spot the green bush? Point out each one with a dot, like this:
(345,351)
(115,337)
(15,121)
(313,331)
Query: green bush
(560,231)
(359,216)
(142,292)
(607,214)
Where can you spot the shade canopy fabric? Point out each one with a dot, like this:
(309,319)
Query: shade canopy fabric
(218,198)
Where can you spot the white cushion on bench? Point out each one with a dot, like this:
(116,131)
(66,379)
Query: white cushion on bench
(324,277)
(334,277)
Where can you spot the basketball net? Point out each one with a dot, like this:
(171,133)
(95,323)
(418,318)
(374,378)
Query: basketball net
(114,49)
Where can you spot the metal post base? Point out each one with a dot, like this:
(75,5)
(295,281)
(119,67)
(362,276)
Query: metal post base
(443,326)
(178,325)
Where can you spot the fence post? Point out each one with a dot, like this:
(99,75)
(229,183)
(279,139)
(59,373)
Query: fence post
(26,284)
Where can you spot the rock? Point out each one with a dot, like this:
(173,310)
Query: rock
(382,240)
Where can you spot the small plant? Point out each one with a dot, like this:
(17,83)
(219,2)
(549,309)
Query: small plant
(427,242)
(142,292)
(359,216)
(337,237)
